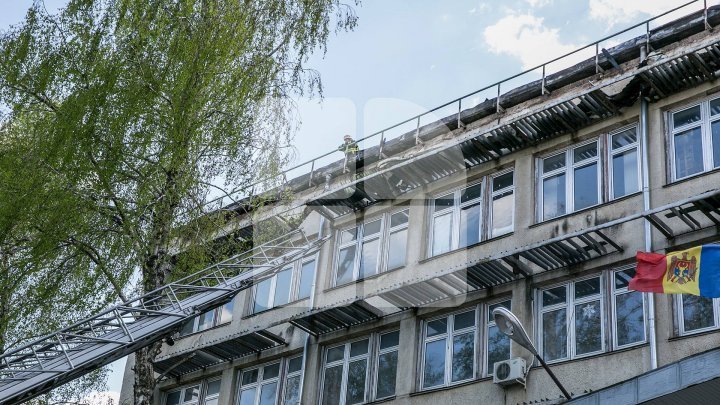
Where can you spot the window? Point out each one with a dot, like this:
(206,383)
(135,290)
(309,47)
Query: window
(695,138)
(347,369)
(209,319)
(361,247)
(572,180)
(262,385)
(572,316)
(292,283)
(498,343)
(457,217)
(696,314)
(190,395)
(628,310)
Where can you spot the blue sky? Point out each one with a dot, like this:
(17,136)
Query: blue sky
(408,56)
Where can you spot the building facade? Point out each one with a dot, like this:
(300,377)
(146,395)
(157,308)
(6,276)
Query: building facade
(536,200)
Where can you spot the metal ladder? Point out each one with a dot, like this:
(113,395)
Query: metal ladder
(39,366)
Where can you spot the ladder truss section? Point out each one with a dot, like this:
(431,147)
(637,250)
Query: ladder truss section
(43,364)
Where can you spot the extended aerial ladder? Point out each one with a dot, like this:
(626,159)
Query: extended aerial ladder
(62,356)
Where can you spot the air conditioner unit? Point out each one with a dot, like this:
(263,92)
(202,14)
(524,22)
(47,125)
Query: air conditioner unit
(509,372)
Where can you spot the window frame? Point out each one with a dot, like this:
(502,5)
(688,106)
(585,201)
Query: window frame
(372,366)
(280,379)
(490,322)
(706,141)
(508,190)
(614,293)
(202,387)
(295,269)
(216,319)
(680,318)
(611,153)
(383,238)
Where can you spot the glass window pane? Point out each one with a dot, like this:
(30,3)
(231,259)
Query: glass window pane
(397,249)
(464,320)
(346,263)
(335,354)
(697,312)
(292,391)
(688,153)
(348,235)
(586,186)
(686,117)
(554,196)
(226,312)
(504,304)
(369,258)
(463,358)
(295,364)
(173,398)
(623,277)
(587,287)
(554,334)
(283,287)
(629,318)
(434,367)
(502,213)
(271,371)
(332,385)
(188,327)
(715,106)
(625,173)
(437,327)
(262,296)
(307,276)
(624,138)
(371,228)
(585,152)
(588,330)
(471,193)
(399,218)
(211,400)
(553,163)
(359,348)
(250,376)
(191,394)
(391,339)
(498,347)
(247,397)
(206,320)
(554,296)
(268,393)
(213,387)
(441,234)
(387,374)
(502,181)
(470,225)
(357,372)
(716,143)
(446,201)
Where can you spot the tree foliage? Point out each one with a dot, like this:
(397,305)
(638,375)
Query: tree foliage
(119,119)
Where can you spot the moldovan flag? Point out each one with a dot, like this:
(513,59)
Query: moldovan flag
(693,271)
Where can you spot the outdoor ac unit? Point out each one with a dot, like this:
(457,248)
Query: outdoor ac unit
(509,372)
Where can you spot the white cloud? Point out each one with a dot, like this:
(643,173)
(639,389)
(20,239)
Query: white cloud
(538,3)
(526,38)
(614,12)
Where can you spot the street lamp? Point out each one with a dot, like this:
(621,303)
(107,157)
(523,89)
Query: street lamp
(508,324)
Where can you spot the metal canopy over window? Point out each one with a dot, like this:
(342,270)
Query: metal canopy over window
(337,318)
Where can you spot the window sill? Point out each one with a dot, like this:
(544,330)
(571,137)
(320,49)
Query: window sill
(594,356)
(380,401)
(360,280)
(693,334)
(692,177)
(450,252)
(585,210)
(449,387)
(248,316)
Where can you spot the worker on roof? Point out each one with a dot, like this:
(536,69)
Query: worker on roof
(349,146)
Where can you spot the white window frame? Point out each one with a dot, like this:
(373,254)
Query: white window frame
(455,211)
(569,171)
(705,125)
(679,316)
(290,374)
(500,192)
(490,322)
(216,319)
(295,269)
(614,293)
(619,151)
(201,386)
(281,379)
(569,307)
(371,371)
(383,238)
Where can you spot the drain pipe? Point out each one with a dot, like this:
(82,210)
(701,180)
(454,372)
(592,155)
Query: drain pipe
(328,177)
(648,236)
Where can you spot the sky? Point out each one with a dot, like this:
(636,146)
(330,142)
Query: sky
(406,57)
